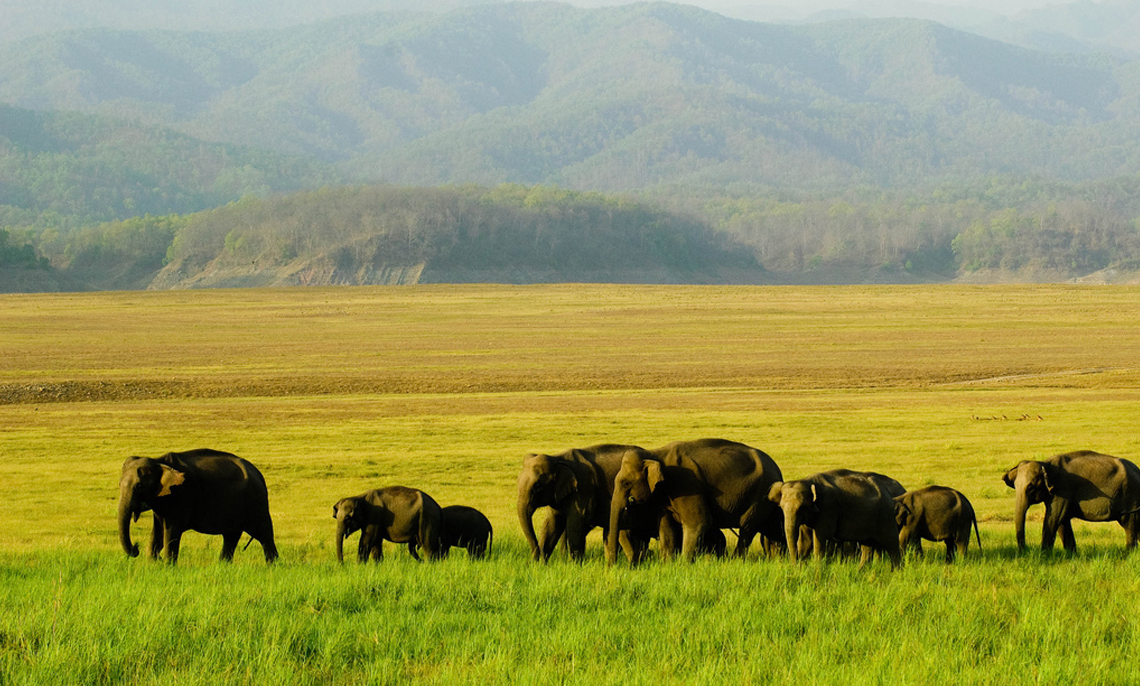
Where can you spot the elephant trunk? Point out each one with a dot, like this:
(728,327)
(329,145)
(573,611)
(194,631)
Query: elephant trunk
(126,512)
(526,520)
(792,535)
(341,531)
(1021,507)
(613,533)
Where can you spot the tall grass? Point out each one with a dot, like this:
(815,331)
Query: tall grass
(97,618)
(335,391)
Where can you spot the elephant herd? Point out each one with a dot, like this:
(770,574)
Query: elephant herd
(683,494)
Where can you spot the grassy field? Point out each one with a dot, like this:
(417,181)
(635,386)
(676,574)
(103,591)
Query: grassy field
(335,391)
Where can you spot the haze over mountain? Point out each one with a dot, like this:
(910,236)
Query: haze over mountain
(618,98)
(1081,25)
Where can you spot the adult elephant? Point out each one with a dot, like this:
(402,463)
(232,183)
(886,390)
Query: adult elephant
(396,513)
(705,484)
(208,491)
(577,486)
(1078,485)
(840,506)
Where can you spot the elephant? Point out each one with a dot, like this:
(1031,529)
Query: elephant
(839,506)
(712,542)
(208,491)
(705,484)
(577,486)
(938,514)
(1078,485)
(465,527)
(396,513)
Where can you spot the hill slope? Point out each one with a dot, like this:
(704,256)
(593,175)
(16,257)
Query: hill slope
(67,165)
(615,98)
(385,235)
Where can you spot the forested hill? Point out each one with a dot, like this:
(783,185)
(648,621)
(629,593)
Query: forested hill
(63,170)
(387,235)
(625,98)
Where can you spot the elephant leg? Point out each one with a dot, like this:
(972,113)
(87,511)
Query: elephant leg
(230,542)
(893,552)
(575,535)
(269,548)
(750,525)
(818,543)
(412,551)
(690,539)
(1129,523)
(370,545)
(173,536)
(906,533)
(951,546)
(1056,521)
(263,534)
(552,530)
(671,536)
(1067,538)
(636,548)
(157,537)
(744,542)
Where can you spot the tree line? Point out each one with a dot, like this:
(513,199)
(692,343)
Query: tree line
(1028,229)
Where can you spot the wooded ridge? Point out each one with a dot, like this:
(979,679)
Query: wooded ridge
(889,150)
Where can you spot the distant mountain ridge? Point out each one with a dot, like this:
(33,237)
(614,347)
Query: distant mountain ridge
(70,167)
(617,98)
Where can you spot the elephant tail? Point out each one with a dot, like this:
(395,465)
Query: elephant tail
(247,543)
(976,533)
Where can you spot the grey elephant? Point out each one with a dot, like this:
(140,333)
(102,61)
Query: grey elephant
(208,491)
(396,513)
(1078,485)
(704,484)
(577,486)
(465,527)
(938,514)
(836,507)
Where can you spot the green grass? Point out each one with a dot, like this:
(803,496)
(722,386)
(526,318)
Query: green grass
(98,618)
(319,389)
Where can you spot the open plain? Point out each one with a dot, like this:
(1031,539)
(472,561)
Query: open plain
(333,391)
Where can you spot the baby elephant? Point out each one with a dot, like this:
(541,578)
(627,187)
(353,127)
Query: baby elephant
(395,513)
(936,513)
(466,527)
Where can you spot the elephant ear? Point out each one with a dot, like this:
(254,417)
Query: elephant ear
(654,474)
(1010,477)
(776,492)
(902,510)
(1050,476)
(170,478)
(565,483)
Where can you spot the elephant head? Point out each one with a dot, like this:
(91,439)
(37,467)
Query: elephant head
(143,483)
(351,516)
(799,502)
(544,480)
(902,511)
(635,484)
(1034,483)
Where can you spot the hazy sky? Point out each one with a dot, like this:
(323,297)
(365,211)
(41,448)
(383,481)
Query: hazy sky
(1003,6)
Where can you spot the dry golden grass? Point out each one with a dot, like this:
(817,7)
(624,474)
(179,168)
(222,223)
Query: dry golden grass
(332,391)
